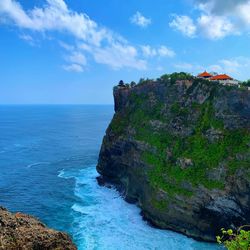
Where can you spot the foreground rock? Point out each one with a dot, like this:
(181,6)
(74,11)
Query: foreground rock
(23,232)
(182,153)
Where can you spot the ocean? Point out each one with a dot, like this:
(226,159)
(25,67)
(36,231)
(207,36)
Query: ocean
(48,156)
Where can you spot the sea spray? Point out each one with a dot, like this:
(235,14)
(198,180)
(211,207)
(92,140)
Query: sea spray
(104,221)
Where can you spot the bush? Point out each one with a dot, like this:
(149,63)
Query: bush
(246,83)
(145,81)
(239,240)
(132,84)
(176,76)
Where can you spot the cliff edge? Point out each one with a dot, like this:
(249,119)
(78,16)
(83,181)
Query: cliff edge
(181,151)
(23,232)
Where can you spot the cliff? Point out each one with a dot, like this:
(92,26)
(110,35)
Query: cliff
(181,151)
(20,231)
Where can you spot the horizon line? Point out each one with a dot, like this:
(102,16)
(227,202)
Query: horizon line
(56,104)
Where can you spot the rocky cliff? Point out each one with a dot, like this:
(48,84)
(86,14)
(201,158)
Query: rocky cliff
(22,232)
(181,151)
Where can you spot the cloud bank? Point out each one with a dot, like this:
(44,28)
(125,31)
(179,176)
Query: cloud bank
(103,45)
(216,19)
(161,51)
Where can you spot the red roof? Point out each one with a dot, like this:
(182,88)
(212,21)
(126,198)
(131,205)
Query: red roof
(205,74)
(221,77)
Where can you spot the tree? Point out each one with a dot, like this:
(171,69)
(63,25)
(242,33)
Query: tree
(246,83)
(132,84)
(177,76)
(165,77)
(121,83)
(141,81)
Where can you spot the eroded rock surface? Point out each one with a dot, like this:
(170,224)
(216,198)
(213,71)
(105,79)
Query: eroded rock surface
(23,232)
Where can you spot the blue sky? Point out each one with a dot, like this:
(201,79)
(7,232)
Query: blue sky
(74,52)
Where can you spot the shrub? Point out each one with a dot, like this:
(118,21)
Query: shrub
(246,83)
(176,76)
(239,240)
(132,84)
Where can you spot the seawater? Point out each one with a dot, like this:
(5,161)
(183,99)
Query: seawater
(48,156)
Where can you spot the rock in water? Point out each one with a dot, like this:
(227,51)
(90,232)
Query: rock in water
(182,153)
(23,232)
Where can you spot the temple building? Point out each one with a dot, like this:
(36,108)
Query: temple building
(223,78)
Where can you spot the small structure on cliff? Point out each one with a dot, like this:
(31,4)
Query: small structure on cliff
(221,78)
(225,80)
(121,83)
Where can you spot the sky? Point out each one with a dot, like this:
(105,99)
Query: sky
(75,51)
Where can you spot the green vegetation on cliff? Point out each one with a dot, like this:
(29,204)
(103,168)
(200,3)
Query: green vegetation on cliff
(239,240)
(181,150)
(176,76)
(207,148)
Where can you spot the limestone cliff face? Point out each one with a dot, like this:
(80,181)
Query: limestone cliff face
(23,232)
(182,154)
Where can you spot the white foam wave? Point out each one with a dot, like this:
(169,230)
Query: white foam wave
(37,164)
(104,221)
(61,174)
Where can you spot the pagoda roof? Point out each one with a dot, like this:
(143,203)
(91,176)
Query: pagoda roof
(221,77)
(205,74)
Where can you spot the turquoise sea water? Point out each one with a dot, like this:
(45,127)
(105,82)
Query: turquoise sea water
(48,156)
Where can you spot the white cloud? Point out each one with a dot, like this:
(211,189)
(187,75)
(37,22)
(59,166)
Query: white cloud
(77,57)
(148,51)
(56,16)
(85,47)
(140,20)
(189,67)
(29,39)
(184,66)
(215,27)
(66,46)
(220,7)
(237,67)
(118,56)
(212,27)
(73,68)
(215,68)
(244,13)
(15,12)
(166,52)
(162,51)
(217,19)
(184,24)
(231,65)
(160,68)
